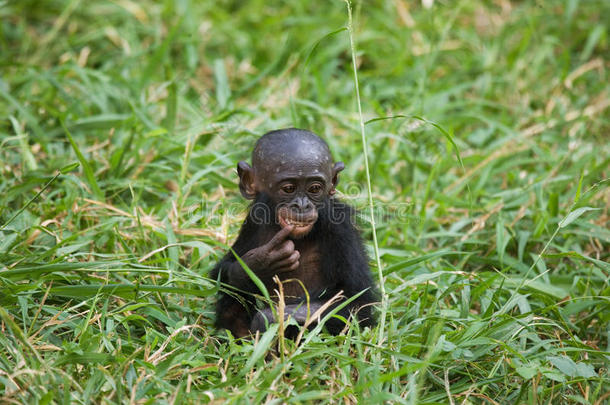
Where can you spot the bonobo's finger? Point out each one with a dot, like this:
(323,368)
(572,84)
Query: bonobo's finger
(281,235)
(294,266)
(282,251)
(286,248)
(289,264)
(286,267)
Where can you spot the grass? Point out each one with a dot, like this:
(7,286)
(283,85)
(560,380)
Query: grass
(487,126)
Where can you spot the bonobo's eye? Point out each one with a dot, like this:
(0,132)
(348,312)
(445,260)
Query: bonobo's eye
(315,188)
(288,188)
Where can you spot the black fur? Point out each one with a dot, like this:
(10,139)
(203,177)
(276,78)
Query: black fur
(343,258)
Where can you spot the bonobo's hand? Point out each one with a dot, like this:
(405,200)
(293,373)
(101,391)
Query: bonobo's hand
(276,256)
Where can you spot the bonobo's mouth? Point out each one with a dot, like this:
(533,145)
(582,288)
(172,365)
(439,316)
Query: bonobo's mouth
(303,224)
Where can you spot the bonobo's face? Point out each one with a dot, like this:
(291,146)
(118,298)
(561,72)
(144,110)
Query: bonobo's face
(297,174)
(298,187)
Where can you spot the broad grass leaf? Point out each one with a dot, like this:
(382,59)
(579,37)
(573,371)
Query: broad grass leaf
(502,239)
(69,168)
(553,204)
(422,278)
(90,290)
(573,216)
(257,281)
(223,92)
(261,347)
(600,263)
(6,242)
(536,285)
(564,364)
(410,262)
(34,270)
(523,238)
(585,370)
(85,358)
(89,173)
(99,122)
(527,372)
(567,366)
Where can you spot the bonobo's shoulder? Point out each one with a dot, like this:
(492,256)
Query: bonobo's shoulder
(340,213)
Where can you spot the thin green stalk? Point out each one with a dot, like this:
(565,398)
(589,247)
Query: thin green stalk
(63,170)
(384,299)
(31,201)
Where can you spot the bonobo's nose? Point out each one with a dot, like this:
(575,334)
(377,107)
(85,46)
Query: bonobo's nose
(301,204)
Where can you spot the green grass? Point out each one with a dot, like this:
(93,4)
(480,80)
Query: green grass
(489,178)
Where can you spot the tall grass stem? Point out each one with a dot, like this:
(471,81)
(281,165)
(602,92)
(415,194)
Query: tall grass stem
(384,300)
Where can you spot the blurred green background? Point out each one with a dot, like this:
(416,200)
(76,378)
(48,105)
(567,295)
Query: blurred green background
(489,179)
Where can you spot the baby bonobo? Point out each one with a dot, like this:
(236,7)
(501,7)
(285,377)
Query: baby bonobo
(297,230)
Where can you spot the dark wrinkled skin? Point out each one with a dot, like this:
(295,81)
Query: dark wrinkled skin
(295,229)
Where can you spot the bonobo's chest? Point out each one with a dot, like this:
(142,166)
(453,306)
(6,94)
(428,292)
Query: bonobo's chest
(309,273)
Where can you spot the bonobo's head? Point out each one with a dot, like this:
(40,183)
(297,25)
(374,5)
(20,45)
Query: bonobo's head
(295,169)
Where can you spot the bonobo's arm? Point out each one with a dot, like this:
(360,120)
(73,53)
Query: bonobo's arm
(276,256)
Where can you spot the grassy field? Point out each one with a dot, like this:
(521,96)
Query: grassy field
(489,177)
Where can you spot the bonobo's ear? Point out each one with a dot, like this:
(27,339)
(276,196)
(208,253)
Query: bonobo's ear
(335,179)
(246,180)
